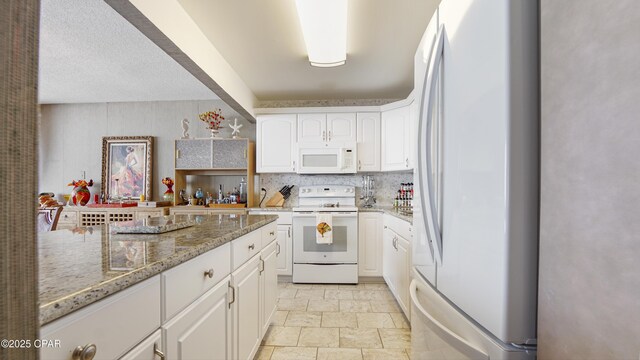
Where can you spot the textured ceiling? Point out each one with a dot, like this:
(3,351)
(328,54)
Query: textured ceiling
(262,41)
(89,53)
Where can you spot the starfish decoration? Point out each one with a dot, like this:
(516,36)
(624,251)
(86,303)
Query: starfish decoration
(236,128)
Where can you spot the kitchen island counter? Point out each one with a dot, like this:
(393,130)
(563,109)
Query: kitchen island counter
(80,266)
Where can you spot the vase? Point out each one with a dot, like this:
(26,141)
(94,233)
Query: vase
(168,195)
(215,133)
(80,195)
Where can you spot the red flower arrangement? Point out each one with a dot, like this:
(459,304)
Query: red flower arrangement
(212,118)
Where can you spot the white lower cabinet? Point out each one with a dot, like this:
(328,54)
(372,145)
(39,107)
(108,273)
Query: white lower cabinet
(268,284)
(396,260)
(200,309)
(369,244)
(110,327)
(149,349)
(284,250)
(202,330)
(245,309)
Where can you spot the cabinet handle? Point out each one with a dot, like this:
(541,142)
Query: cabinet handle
(86,352)
(294,166)
(252,246)
(177,154)
(245,153)
(385,226)
(329,135)
(277,249)
(271,233)
(406,162)
(156,351)
(359,165)
(289,231)
(233,295)
(324,136)
(261,266)
(209,273)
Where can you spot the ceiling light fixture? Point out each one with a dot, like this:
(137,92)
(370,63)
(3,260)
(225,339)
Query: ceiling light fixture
(324,27)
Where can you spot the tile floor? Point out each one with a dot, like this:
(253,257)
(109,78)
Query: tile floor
(336,322)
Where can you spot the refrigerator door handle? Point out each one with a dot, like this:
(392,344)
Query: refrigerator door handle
(466,346)
(426,114)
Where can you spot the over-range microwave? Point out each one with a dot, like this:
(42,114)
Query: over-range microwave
(333,159)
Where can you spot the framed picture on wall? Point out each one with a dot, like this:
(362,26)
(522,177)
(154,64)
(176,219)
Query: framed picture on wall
(126,166)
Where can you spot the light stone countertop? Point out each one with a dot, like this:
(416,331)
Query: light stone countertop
(80,266)
(383,209)
(391,211)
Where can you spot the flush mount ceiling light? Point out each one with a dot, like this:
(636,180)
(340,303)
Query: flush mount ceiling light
(324,27)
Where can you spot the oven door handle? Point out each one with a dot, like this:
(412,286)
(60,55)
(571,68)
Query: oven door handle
(310,215)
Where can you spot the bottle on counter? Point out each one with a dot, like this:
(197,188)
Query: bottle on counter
(220,194)
(243,191)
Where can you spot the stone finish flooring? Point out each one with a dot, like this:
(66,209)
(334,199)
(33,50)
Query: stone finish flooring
(336,322)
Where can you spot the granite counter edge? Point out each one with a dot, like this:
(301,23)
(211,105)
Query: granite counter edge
(56,309)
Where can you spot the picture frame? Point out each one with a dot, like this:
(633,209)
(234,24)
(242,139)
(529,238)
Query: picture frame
(127,166)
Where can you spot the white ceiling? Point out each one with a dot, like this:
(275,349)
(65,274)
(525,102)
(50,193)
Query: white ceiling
(89,53)
(262,41)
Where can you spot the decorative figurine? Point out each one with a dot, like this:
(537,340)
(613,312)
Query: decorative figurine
(236,129)
(185,128)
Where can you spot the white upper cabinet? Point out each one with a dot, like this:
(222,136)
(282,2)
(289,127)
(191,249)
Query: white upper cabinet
(397,139)
(341,127)
(276,143)
(368,137)
(326,128)
(312,128)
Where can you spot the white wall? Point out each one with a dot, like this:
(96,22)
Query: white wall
(70,139)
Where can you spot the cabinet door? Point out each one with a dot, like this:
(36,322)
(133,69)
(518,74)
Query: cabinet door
(284,250)
(269,285)
(146,350)
(403,252)
(247,329)
(203,328)
(341,127)
(368,130)
(230,153)
(312,128)
(276,143)
(369,244)
(388,259)
(395,148)
(194,154)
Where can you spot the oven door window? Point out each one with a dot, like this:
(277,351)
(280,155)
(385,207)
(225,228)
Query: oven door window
(343,249)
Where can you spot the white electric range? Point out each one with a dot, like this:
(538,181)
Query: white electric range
(326,263)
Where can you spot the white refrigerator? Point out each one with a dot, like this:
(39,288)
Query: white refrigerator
(477,182)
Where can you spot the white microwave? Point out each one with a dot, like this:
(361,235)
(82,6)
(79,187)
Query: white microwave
(314,159)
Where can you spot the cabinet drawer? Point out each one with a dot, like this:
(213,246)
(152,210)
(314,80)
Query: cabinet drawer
(269,233)
(114,324)
(68,217)
(186,282)
(243,248)
(147,214)
(399,226)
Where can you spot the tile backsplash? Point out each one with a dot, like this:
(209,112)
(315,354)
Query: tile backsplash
(386,184)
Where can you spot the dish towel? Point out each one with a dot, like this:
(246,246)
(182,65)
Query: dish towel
(324,229)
